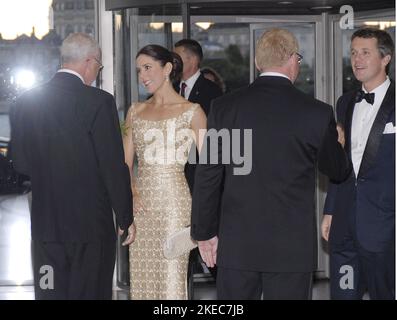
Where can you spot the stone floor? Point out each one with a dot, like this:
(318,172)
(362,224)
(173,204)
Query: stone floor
(204,291)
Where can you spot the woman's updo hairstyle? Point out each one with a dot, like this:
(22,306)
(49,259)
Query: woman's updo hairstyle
(163,56)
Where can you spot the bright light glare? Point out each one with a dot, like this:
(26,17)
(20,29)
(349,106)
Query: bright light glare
(204,25)
(25,79)
(18,266)
(177,27)
(20,16)
(156,25)
(382,24)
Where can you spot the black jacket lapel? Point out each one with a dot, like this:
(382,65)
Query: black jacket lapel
(196,89)
(376,133)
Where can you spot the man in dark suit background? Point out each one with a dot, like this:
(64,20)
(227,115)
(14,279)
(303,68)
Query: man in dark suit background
(197,89)
(65,135)
(194,86)
(360,212)
(267,229)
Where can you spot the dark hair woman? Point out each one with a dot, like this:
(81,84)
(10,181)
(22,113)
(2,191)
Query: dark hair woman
(160,132)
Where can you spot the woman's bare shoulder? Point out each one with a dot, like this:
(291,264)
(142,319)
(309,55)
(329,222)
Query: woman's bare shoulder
(136,108)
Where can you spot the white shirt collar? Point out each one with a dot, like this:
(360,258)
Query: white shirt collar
(364,116)
(192,80)
(71,72)
(273,74)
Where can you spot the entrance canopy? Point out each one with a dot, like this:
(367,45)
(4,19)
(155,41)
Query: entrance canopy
(244,7)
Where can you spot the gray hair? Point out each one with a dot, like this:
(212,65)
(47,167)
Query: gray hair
(77,47)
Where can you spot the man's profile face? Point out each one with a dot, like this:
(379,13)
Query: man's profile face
(93,67)
(366,60)
(189,60)
(296,67)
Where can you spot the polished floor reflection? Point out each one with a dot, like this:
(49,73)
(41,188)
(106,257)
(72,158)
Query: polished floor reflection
(16,276)
(15,243)
(203,291)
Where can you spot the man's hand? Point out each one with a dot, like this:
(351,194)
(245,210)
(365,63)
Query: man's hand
(131,235)
(326,225)
(208,250)
(341,134)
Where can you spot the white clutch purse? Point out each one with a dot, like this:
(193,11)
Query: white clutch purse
(178,244)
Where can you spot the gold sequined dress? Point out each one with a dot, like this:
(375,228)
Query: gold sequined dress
(162,150)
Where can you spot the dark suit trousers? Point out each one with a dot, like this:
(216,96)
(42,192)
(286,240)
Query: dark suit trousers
(370,271)
(75,271)
(235,284)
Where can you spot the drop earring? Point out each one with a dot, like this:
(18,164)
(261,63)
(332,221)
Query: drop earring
(167,78)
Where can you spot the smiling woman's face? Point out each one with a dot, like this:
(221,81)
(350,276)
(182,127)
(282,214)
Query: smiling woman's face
(150,72)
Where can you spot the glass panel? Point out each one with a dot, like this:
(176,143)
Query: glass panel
(226,50)
(305,33)
(4,127)
(120,57)
(162,26)
(158,33)
(29,50)
(388,24)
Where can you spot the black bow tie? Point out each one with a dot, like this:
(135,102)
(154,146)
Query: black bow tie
(369,97)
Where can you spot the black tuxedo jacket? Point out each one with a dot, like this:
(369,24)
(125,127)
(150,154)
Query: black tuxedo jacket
(203,92)
(267,220)
(66,137)
(364,206)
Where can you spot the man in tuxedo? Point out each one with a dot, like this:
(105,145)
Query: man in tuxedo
(360,212)
(65,135)
(266,241)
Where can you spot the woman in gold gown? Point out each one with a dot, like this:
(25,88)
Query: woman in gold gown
(160,132)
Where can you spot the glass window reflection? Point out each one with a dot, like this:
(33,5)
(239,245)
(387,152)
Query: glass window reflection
(30,58)
(226,50)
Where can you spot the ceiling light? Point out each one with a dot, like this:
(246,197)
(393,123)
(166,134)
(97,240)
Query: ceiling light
(156,25)
(382,24)
(203,25)
(321,8)
(177,27)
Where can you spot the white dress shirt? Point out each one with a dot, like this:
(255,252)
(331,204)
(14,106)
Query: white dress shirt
(71,72)
(273,74)
(364,115)
(190,83)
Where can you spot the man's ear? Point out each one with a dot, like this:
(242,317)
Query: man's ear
(386,60)
(195,59)
(256,65)
(291,60)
